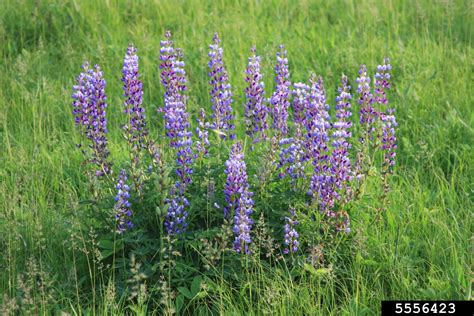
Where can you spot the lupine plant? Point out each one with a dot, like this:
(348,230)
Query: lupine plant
(317,155)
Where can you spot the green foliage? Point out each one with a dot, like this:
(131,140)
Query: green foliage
(56,230)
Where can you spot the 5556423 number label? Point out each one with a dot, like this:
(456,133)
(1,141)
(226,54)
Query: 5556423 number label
(427,308)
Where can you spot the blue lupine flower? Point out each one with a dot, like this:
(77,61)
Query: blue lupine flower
(173,79)
(202,145)
(238,198)
(300,101)
(135,129)
(280,99)
(382,81)
(89,110)
(368,115)
(339,161)
(256,110)
(290,234)
(221,94)
(123,213)
(389,122)
(317,129)
(293,156)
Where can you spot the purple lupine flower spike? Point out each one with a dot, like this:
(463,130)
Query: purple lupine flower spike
(293,156)
(238,198)
(340,161)
(300,101)
(133,92)
(389,122)
(89,109)
(291,235)
(389,140)
(136,131)
(382,81)
(123,213)
(256,110)
(221,94)
(317,128)
(173,79)
(202,146)
(280,99)
(368,114)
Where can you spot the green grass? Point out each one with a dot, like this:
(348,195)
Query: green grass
(422,249)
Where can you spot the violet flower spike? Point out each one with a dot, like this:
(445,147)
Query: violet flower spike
(389,123)
(317,128)
(389,140)
(133,92)
(221,94)
(89,109)
(382,82)
(290,234)
(280,99)
(173,79)
(368,114)
(123,213)
(238,198)
(293,156)
(175,219)
(300,101)
(136,131)
(202,145)
(256,110)
(340,162)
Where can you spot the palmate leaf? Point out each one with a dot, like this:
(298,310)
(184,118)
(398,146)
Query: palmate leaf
(109,247)
(196,285)
(184,291)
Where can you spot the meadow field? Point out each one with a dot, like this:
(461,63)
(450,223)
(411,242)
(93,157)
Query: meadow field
(60,257)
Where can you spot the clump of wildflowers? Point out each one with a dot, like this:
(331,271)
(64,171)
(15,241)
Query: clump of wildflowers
(316,147)
(90,115)
(291,235)
(280,99)
(256,110)
(173,79)
(122,210)
(238,198)
(221,94)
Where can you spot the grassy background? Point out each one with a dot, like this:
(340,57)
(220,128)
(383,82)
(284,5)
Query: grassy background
(424,249)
